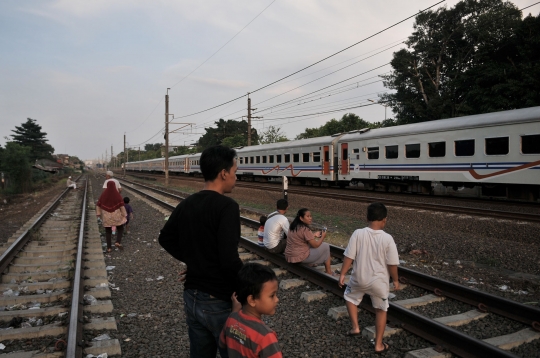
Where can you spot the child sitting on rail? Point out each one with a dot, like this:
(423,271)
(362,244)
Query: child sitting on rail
(260,233)
(375,259)
(244,333)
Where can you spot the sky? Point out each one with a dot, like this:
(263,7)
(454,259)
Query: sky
(91,72)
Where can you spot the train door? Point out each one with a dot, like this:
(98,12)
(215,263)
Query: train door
(344,158)
(186,165)
(326,160)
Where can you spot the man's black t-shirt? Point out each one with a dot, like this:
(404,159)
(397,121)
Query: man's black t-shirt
(203,232)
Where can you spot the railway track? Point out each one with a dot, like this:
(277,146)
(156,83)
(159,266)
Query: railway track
(54,284)
(459,210)
(442,332)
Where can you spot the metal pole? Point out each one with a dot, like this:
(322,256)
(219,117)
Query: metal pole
(125,155)
(285,187)
(249,121)
(167,138)
(112,163)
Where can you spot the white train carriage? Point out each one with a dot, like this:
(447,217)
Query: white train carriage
(305,161)
(193,164)
(498,151)
(178,164)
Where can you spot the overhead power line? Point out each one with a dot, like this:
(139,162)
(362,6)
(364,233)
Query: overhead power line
(226,43)
(313,64)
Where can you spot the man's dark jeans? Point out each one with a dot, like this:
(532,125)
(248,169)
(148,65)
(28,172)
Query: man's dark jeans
(205,317)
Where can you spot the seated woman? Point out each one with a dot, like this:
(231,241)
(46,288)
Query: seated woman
(302,245)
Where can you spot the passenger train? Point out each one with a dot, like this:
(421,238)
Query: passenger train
(500,152)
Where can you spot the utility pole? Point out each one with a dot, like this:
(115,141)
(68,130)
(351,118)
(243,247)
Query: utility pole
(112,163)
(125,156)
(106,164)
(249,120)
(139,153)
(167,138)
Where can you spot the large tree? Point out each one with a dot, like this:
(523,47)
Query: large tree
(273,135)
(29,134)
(15,162)
(458,58)
(225,129)
(347,123)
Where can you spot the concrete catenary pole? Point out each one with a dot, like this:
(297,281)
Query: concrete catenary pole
(125,155)
(249,121)
(167,138)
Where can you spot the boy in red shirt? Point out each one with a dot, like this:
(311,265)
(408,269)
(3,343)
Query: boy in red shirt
(244,333)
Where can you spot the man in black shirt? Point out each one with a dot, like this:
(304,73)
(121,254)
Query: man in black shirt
(203,232)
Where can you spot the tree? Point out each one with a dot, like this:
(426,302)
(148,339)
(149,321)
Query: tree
(347,123)
(225,129)
(272,135)
(29,134)
(447,55)
(15,161)
(152,147)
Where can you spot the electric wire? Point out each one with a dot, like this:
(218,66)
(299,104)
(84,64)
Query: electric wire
(313,64)
(232,38)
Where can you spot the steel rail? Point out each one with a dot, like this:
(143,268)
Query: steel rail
(7,257)
(499,214)
(528,315)
(74,347)
(433,331)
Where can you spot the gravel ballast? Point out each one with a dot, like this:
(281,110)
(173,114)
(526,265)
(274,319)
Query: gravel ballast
(452,247)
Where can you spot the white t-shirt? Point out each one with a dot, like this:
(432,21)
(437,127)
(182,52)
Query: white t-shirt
(116,182)
(274,229)
(372,251)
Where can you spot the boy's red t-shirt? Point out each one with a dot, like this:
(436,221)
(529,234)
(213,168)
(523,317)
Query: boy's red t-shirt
(247,336)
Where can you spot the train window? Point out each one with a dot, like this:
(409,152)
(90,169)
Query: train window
(305,157)
(464,148)
(287,158)
(278,158)
(345,155)
(258,158)
(264,158)
(296,157)
(437,149)
(246,160)
(270,159)
(326,155)
(251,160)
(316,157)
(530,144)
(412,150)
(373,153)
(391,151)
(356,150)
(241,160)
(497,146)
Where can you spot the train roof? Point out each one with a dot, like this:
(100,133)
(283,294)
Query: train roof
(524,115)
(289,144)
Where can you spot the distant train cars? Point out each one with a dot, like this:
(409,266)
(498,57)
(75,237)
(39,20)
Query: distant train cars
(500,152)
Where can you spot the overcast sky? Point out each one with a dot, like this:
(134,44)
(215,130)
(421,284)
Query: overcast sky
(91,71)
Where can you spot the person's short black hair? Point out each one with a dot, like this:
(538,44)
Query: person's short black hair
(262,220)
(282,204)
(251,278)
(215,159)
(376,212)
(126,200)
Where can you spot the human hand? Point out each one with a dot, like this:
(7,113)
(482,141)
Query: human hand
(236,305)
(183,275)
(341,280)
(396,286)
(318,234)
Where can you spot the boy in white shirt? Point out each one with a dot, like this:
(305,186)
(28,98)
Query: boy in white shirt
(374,257)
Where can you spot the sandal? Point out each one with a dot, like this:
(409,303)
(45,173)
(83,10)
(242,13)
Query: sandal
(109,250)
(386,348)
(118,245)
